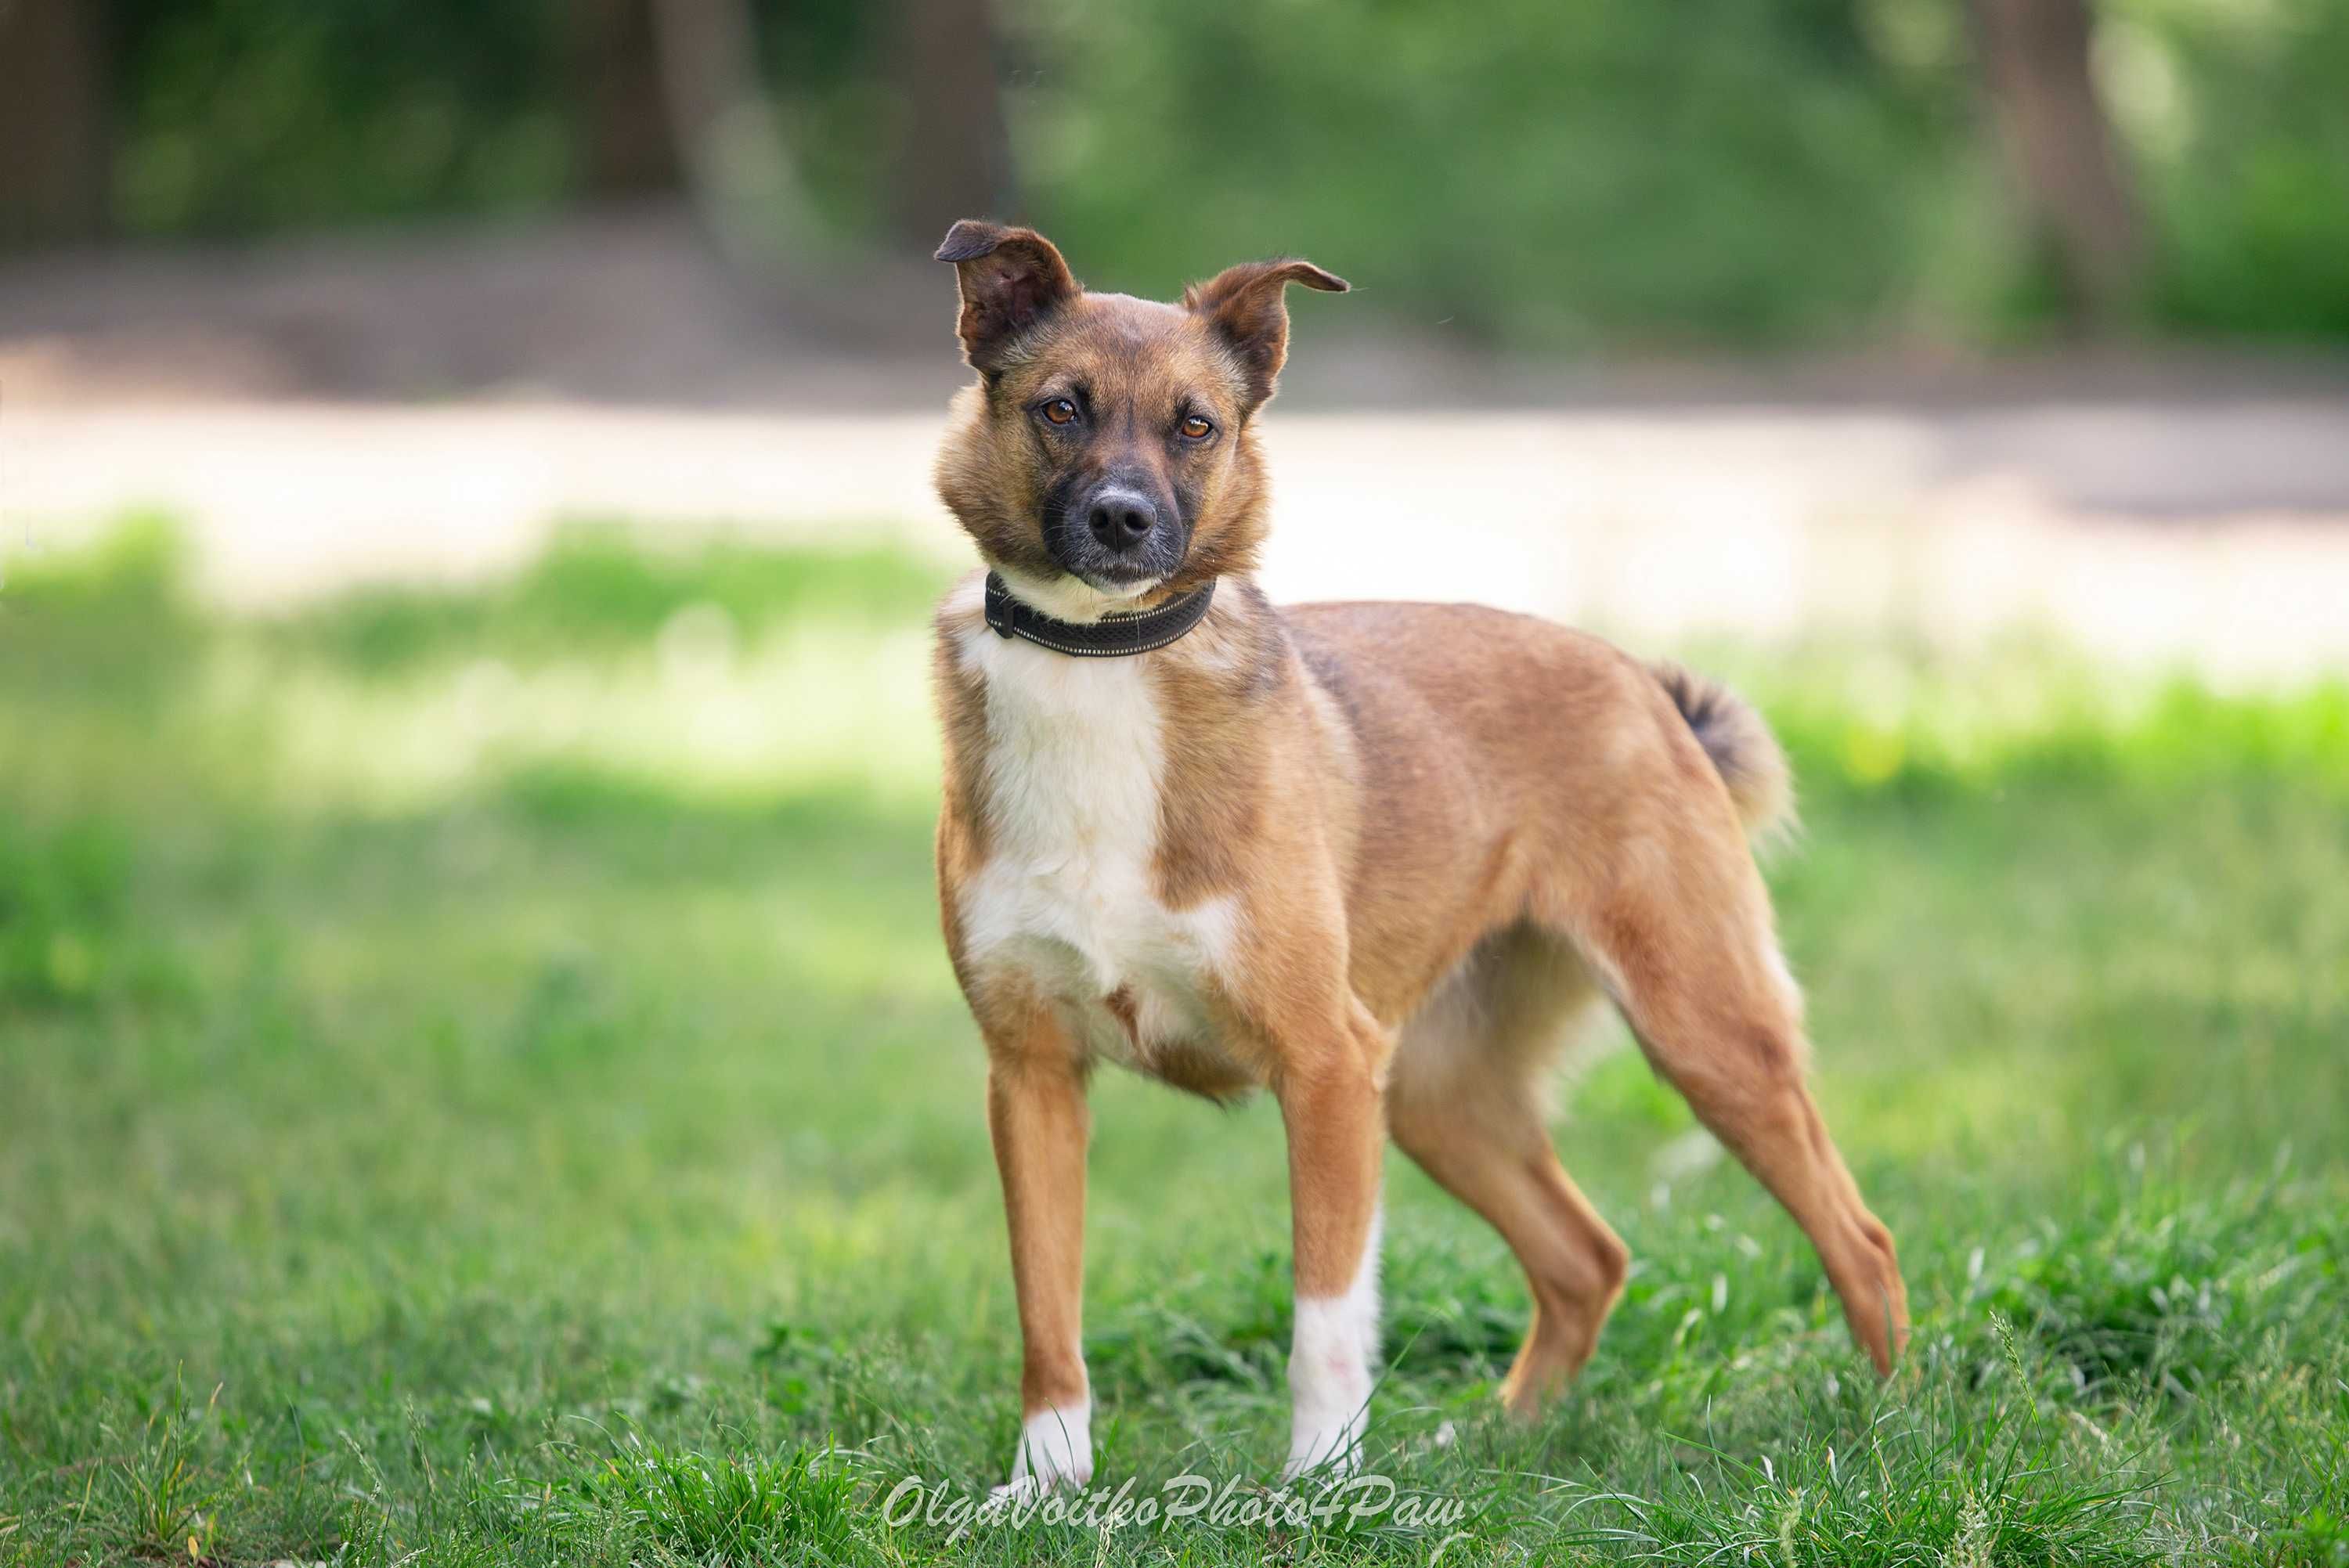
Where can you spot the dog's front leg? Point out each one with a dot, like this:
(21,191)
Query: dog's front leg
(1329,1089)
(1037,1117)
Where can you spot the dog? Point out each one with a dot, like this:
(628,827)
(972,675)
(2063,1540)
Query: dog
(1376,858)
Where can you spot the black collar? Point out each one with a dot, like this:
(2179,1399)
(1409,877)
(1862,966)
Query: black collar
(1111,637)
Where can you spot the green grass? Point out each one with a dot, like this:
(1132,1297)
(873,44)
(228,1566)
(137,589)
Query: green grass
(479,1084)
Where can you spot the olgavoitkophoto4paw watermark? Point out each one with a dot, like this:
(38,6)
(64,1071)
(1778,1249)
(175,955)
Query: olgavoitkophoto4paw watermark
(1353,1503)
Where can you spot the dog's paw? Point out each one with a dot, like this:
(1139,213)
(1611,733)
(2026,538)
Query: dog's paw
(1026,1489)
(1325,1452)
(1056,1453)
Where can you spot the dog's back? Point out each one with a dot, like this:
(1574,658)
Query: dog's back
(1446,663)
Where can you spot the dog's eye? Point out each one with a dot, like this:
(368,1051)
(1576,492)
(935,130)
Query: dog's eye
(1195,428)
(1060,411)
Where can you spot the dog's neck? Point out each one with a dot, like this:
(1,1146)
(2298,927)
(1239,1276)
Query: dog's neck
(1081,620)
(1075,601)
(1239,629)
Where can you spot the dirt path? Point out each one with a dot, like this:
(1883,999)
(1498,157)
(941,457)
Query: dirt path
(1767,523)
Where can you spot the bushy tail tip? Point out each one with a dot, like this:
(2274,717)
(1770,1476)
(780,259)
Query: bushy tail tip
(1744,751)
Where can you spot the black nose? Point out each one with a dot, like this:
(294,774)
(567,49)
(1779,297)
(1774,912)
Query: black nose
(1121,520)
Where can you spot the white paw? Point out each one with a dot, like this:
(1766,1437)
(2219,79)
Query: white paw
(1333,1451)
(1055,1453)
(1024,1489)
(1329,1388)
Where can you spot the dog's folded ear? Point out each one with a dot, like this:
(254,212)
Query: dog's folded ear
(1010,279)
(1246,303)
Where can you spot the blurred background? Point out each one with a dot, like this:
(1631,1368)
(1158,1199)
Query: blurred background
(1898,313)
(474,1043)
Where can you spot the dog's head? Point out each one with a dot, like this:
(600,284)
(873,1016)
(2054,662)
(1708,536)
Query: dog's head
(1106,457)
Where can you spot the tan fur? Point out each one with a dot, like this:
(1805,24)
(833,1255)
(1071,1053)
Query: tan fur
(1440,833)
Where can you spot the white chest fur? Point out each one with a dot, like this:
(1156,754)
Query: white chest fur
(1075,764)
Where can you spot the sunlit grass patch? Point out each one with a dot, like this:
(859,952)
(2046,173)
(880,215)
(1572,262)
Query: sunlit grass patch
(1871,720)
(602,586)
(819,703)
(716,667)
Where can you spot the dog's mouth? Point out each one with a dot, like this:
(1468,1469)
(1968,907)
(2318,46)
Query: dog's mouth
(1118,576)
(1122,581)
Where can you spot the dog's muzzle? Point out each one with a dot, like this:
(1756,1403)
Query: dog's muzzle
(1117,534)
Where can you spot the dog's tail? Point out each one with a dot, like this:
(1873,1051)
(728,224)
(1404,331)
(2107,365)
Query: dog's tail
(1744,751)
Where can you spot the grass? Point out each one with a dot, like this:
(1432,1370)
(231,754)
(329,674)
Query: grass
(479,1084)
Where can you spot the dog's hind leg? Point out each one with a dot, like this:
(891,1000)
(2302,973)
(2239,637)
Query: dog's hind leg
(1685,944)
(1465,1103)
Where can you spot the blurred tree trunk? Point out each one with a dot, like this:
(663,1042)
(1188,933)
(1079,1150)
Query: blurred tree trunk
(2061,149)
(736,167)
(621,123)
(955,161)
(55,168)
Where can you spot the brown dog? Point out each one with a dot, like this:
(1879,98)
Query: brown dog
(1374,856)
